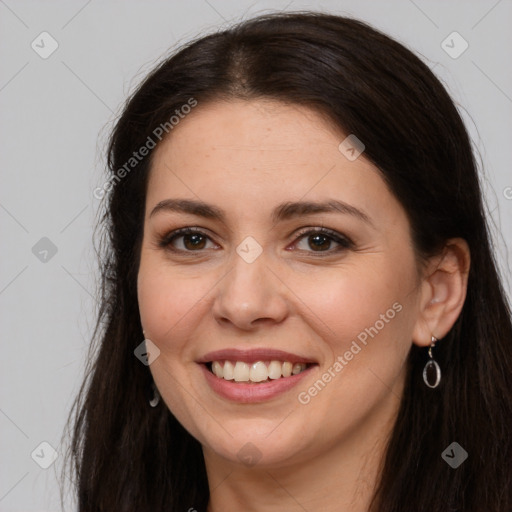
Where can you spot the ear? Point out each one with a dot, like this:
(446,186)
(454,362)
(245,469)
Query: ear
(443,291)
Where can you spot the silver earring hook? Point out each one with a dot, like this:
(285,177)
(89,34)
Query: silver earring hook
(432,369)
(432,345)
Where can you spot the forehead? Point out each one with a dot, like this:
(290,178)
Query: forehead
(251,130)
(252,154)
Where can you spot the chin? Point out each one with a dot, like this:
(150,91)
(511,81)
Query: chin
(257,444)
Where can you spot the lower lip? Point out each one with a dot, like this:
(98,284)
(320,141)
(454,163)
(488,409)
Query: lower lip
(251,393)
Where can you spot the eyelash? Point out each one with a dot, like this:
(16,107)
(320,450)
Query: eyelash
(343,241)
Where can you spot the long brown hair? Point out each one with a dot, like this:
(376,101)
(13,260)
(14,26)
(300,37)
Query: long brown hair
(129,457)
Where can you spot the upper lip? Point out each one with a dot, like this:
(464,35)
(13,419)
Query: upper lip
(253,355)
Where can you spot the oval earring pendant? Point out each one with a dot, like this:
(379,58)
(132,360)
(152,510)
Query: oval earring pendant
(432,374)
(156,397)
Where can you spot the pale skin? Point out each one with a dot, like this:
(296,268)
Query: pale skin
(246,158)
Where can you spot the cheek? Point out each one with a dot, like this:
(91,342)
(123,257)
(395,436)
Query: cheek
(155,292)
(366,318)
(167,300)
(366,321)
(350,301)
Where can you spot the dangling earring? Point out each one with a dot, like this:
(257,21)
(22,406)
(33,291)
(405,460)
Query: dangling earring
(156,396)
(432,371)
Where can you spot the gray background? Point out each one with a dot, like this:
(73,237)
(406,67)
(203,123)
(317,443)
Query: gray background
(55,115)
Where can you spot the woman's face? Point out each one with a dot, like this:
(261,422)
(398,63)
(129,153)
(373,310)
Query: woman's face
(253,292)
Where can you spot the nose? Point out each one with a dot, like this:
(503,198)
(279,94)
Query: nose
(250,295)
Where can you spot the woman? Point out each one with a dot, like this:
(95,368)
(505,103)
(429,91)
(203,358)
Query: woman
(300,306)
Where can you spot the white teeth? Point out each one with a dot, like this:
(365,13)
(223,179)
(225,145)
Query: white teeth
(258,372)
(255,372)
(227,371)
(287,369)
(297,368)
(241,372)
(274,370)
(217,369)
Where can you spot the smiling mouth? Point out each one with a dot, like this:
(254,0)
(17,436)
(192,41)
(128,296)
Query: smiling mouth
(257,372)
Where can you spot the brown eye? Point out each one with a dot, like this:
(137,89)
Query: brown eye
(321,240)
(193,241)
(185,240)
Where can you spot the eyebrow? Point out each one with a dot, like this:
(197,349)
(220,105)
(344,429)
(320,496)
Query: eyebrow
(284,211)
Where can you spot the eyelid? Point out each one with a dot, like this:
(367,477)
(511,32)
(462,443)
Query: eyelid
(342,240)
(165,241)
(339,238)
